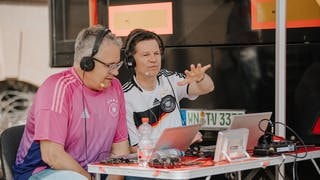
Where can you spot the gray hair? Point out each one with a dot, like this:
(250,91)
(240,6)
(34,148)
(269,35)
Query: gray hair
(86,39)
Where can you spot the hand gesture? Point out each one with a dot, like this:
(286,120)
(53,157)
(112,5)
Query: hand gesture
(196,74)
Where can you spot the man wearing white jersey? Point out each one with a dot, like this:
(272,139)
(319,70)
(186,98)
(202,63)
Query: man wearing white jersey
(154,92)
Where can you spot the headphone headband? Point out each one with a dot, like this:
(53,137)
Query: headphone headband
(131,39)
(98,41)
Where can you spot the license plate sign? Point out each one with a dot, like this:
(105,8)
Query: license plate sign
(211,119)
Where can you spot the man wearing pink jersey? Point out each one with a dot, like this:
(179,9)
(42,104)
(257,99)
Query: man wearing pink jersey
(78,115)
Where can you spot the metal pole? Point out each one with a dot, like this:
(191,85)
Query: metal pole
(280,101)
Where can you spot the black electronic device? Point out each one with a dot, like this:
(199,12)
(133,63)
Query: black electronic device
(268,146)
(87,63)
(274,148)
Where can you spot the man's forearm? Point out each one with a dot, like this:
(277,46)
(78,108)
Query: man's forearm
(65,162)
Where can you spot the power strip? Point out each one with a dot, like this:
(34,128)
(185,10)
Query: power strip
(274,148)
(284,146)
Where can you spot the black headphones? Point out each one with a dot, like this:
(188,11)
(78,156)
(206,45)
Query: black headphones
(128,56)
(87,63)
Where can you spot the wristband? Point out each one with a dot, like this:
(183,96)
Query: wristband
(201,79)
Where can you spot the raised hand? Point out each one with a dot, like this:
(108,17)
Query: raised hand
(195,74)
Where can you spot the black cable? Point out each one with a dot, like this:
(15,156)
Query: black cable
(153,114)
(85,119)
(174,95)
(282,162)
(296,156)
(85,125)
(266,130)
(295,164)
(299,138)
(296,134)
(295,168)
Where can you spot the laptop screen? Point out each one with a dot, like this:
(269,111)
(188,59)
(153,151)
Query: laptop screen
(251,122)
(177,137)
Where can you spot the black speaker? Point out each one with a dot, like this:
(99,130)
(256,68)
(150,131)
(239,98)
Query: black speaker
(87,63)
(143,35)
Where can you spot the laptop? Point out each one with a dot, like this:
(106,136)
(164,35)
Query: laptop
(251,122)
(177,137)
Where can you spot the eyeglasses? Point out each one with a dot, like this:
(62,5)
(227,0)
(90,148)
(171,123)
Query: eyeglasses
(110,67)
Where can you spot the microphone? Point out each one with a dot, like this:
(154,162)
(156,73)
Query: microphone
(102,85)
(268,134)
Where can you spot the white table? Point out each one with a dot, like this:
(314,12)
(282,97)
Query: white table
(197,171)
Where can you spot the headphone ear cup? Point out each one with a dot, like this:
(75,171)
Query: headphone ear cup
(131,62)
(126,58)
(162,60)
(87,63)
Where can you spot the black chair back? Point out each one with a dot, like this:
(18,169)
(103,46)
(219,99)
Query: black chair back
(9,144)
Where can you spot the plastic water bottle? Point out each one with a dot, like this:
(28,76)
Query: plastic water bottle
(145,146)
